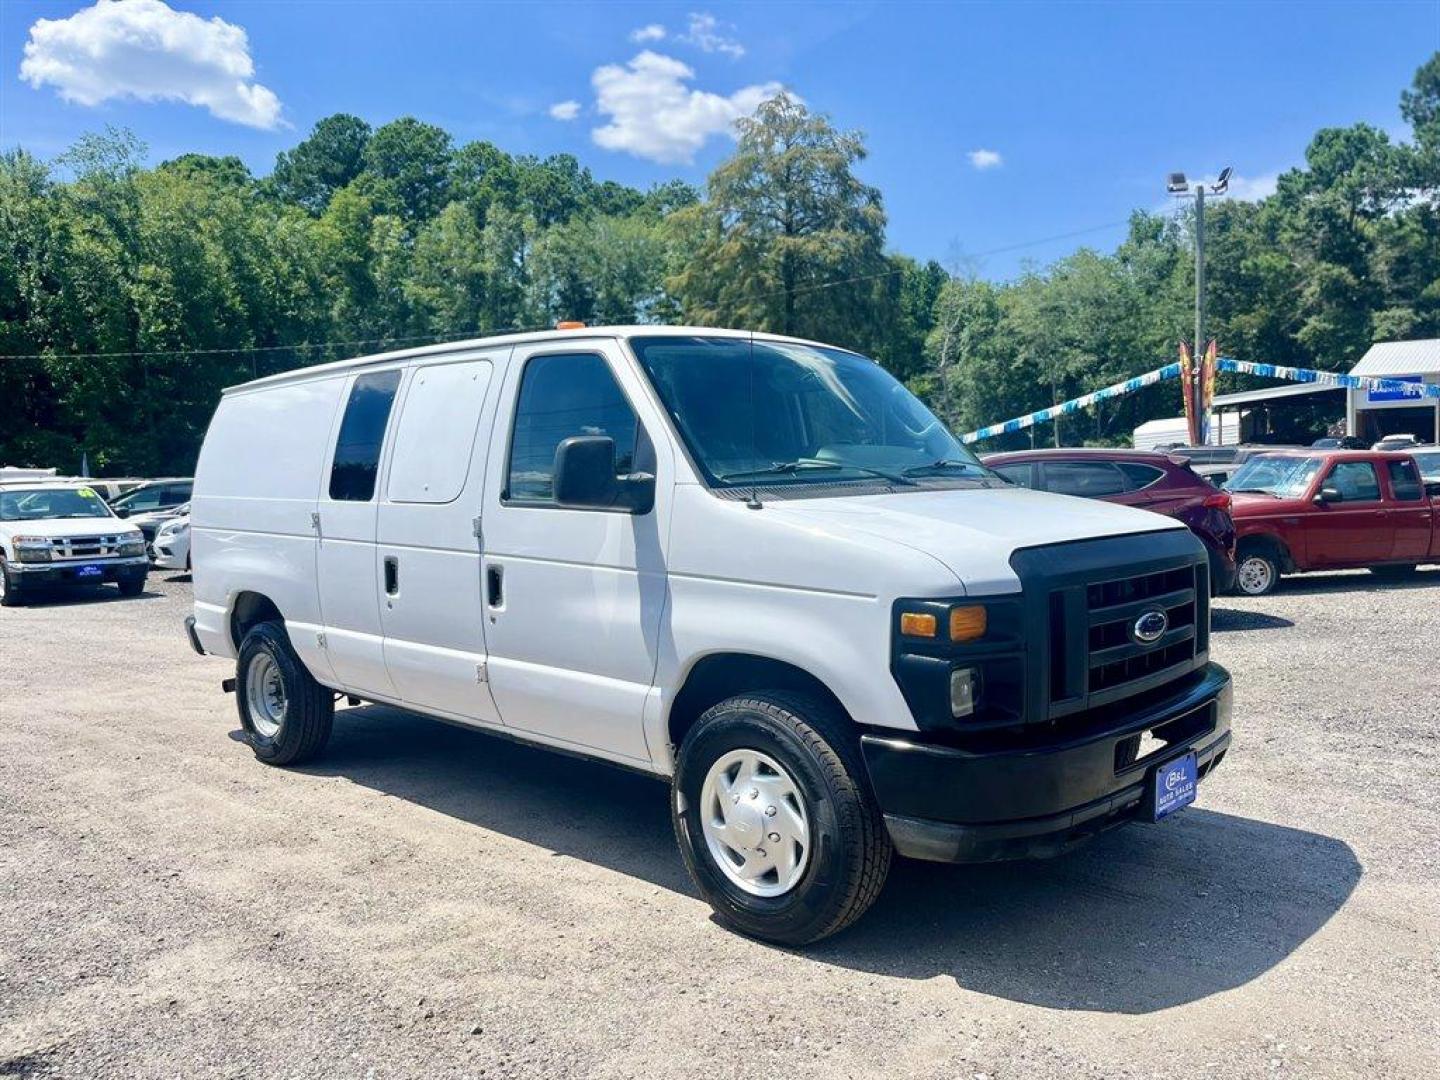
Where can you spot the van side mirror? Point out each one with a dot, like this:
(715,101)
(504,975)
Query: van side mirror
(1329,494)
(1432,488)
(121,511)
(585,478)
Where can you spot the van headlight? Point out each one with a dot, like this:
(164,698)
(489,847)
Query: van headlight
(960,663)
(131,546)
(33,548)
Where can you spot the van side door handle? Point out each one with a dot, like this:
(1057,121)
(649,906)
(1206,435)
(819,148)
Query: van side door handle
(392,575)
(495,586)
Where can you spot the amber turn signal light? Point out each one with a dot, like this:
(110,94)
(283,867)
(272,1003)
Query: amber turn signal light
(967,623)
(918,624)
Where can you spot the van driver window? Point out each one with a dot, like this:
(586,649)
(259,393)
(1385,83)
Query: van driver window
(560,396)
(362,430)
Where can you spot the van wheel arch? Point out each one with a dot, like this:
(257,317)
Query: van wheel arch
(249,610)
(718,676)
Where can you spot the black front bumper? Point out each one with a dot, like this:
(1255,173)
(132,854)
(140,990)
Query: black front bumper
(1028,795)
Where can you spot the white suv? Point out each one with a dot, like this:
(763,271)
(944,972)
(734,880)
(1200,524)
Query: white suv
(753,565)
(57,534)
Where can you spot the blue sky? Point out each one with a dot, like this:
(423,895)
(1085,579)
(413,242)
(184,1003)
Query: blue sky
(989,125)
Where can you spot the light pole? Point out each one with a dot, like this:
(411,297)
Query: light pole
(1176,184)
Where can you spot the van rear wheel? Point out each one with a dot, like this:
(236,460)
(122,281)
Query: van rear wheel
(286,714)
(775,819)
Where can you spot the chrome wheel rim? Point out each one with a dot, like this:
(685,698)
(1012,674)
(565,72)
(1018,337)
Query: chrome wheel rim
(1255,575)
(265,695)
(755,823)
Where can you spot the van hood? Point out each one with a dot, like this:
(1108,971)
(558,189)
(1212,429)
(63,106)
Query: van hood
(974,531)
(57,527)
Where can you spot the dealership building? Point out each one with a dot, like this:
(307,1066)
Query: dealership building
(1372,414)
(1286,412)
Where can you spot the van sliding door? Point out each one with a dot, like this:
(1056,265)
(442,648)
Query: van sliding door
(428,550)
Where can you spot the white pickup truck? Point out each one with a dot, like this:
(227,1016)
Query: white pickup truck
(752,565)
(56,533)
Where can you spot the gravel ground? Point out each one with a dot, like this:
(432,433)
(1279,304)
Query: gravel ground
(432,901)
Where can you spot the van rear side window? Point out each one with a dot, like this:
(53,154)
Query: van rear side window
(357,450)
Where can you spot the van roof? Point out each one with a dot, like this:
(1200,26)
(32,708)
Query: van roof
(340,367)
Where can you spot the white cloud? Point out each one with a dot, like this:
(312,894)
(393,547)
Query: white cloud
(652,32)
(706,34)
(1253,188)
(985,159)
(655,116)
(147,51)
(565,110)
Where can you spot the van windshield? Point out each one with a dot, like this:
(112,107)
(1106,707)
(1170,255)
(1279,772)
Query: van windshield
(774,412)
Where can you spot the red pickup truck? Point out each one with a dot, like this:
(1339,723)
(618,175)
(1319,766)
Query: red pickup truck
(1331,510)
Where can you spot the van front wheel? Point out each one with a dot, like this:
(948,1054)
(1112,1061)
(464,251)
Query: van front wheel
(286,714)
(775,819)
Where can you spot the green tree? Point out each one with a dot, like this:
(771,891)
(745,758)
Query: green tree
(409,162)
(329,159)
(788,238)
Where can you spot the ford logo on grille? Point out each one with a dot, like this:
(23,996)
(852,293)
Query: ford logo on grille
(1150,627)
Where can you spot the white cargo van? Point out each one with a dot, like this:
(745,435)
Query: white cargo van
(753,565)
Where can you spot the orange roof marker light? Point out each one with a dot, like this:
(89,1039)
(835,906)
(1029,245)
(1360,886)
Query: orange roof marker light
(569,324)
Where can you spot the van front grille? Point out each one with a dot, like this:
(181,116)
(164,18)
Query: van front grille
(1096,598)
(1116,656)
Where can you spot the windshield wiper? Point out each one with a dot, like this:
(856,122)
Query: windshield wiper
(942,465)
(1252,491)
(787,468)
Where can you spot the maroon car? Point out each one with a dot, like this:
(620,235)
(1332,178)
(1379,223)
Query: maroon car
(1135,478)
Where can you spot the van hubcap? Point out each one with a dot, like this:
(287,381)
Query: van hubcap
(1254,575)
(755,824)
(265,695)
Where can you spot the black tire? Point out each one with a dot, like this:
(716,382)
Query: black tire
(1260,579)
(131,586)
(1394,570)
(9,593)
(850,848)
(309,707)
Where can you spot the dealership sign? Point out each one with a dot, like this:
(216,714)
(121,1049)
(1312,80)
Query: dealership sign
(1376,395)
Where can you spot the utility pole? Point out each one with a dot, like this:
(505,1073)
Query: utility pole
(1199,270)
(1177,185)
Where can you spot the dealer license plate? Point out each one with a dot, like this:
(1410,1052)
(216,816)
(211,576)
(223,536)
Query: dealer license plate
(1175,784)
